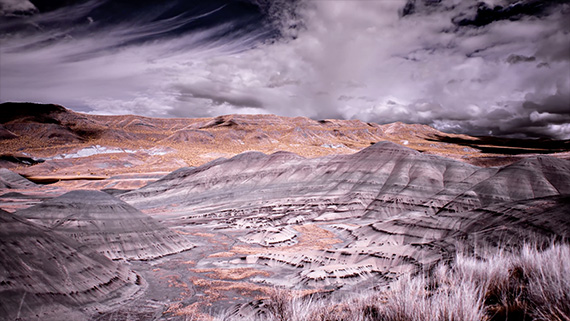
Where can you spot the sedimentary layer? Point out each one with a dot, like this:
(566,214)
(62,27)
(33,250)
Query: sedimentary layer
(99,221)
(45,275)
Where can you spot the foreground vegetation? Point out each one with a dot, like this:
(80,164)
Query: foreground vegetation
(530,284)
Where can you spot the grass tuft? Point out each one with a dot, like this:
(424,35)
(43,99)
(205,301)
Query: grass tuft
(529,284)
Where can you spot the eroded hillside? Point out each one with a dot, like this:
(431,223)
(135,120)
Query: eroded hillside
(49,143)
(191,218)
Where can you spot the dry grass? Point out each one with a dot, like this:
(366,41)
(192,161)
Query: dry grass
(232,274)
(222,254)
(216,290)
(530,284)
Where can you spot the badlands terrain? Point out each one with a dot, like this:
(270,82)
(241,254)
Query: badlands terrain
(133,218)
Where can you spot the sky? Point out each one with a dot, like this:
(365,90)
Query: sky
(495,67)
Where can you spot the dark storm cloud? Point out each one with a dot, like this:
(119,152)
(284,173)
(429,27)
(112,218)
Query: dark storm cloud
(17,8)
(499,67)
(218,95)
(508,10)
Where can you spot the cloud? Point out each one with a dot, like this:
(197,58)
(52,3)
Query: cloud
(16,7)
(425,68)
(370,60)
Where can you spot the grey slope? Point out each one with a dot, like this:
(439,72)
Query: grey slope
(538,220)
(380,181)
(11,180)
(463,190)
(377,183)
(106,224)
(383,180)
(44,275)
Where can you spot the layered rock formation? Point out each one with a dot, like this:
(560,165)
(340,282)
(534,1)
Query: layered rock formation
(363,215)
(377,182)
(542,220)
(399,210)
(99,221)
(44,276)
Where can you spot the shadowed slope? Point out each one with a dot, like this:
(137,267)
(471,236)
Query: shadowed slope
(6,134)
(10,180)
(45,276)
(528,178)
(30,112)
(101,222)
(535,220)
(47,123)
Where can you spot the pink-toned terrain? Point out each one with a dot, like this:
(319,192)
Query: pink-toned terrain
(133,218)
(65,145)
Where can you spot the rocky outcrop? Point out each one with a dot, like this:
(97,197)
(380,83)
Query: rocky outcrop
(45,276)
(99,221)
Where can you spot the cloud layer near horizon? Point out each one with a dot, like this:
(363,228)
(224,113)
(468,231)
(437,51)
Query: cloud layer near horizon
(456,65)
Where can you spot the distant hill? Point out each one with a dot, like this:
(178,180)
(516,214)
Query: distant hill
(110,145)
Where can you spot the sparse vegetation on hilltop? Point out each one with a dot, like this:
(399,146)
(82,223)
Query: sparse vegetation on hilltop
(529,284)
(47,131)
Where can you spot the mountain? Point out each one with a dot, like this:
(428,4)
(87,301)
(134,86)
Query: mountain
(46,122)
(100,222)
(45,276)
